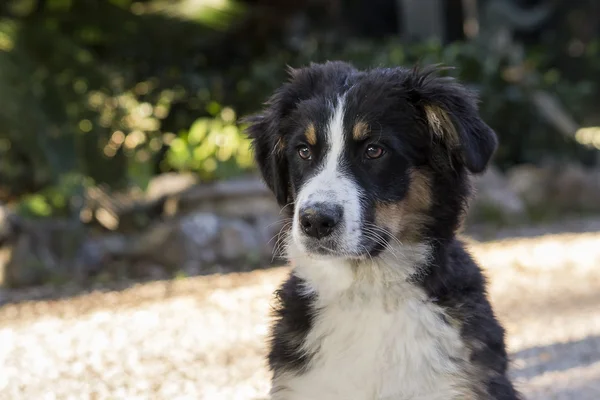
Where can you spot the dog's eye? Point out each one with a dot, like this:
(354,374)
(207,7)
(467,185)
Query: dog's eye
(373,151)
(304,153)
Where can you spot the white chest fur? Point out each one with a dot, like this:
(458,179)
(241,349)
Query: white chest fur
(368,348)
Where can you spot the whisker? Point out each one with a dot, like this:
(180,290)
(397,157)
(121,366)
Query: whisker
(278,250)
(286,220)
(283,208)
(380,239)
(284,227)
(385,245)
(384,231)
(368,252)
(282,238)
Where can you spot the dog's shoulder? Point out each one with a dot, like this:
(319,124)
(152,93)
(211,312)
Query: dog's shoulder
(460,288)
(293,314)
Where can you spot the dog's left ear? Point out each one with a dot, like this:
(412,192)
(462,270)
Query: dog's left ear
(452,115)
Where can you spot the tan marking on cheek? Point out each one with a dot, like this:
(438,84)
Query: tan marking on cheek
(387,215)
(418,197)
(441,123)
(405,219)
(360,130)
(311,134)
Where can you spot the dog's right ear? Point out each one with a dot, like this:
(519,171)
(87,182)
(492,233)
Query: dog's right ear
(269,152)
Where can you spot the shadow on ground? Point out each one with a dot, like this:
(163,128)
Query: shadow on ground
(538,360)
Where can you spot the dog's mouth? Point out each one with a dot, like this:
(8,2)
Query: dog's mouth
(367,247)
(323,248)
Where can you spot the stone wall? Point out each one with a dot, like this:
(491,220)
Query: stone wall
(182,227)
(177,227)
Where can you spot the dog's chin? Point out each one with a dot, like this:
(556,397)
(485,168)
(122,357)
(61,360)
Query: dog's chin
(330,250)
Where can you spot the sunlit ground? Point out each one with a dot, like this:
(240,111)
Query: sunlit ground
(203,338)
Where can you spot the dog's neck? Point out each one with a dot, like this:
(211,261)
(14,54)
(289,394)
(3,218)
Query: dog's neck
(371,279)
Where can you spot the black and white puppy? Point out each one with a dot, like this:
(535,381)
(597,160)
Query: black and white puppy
(383,301)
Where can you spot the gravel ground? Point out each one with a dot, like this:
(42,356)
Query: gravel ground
(203,338)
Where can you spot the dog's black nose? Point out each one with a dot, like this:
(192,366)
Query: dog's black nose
(318,220)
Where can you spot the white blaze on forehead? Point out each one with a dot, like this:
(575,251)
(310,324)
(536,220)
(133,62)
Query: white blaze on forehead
(335,139)
(332,185)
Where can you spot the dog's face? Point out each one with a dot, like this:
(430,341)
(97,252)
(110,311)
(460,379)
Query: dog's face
(366,157)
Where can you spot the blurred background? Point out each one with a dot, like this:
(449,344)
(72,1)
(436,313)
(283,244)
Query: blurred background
(136,235)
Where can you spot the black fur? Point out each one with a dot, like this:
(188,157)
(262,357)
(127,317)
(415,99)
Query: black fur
(393,102)
(457,284)
(295,314)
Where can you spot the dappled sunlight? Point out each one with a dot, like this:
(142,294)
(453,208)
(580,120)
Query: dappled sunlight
(201,341)
(6,36)
(216,14)
(589,136)
(541,285)
(210,142)
(108,94)
(581,252)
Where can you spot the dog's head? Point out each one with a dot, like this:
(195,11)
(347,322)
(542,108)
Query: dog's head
(368,158)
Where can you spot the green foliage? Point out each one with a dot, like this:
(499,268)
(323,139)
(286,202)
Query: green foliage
(64,198)
(214,147)
(98,91)
(121,90)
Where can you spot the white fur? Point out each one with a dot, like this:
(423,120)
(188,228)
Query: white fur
(376,336)
(332,186)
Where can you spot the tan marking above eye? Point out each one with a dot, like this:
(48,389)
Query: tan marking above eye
(311,134)
(360,130)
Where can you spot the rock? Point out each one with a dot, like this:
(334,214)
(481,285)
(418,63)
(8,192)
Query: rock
(163,244)
(28,261)
(192,268)
(494,200)
(557,189)
(201,228)
(530,183)
(193,244)
(188,227)
(38,251)
(239,240)
(6,223)
(6,233)
(5,265)
(150,270)
(95,251)
(245,199)
(577,189)
(104,254)
(196,242)
(176,243)
(169,184)
(199,233)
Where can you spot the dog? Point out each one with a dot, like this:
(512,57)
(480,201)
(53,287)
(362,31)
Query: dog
(383,302)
